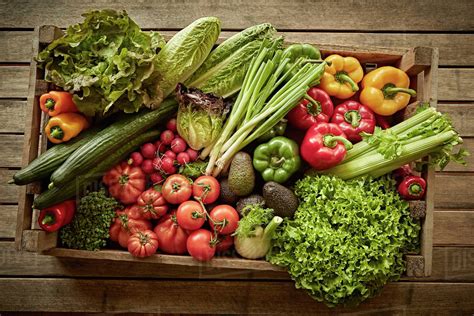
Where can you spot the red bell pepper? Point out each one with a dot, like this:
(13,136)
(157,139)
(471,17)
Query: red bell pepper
(51,219)
(383,121)
(316,107)
(402,172)
(412,188)
(354,118)
(324,146)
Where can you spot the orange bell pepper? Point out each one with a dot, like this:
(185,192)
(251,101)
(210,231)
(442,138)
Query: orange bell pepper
(340,79)
(65,126)
(57,102)
(385,90)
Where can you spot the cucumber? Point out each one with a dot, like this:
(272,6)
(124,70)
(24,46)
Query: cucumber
(59,194)
(50,160)
(109,140)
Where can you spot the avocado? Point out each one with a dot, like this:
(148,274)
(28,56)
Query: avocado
(241,174)
(281,199)
(226,194)
(249,200)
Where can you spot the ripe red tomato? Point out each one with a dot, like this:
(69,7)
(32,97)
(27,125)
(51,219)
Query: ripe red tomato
(207,189)
(127,222)
(152,204)
(177,189)
(125,182)
(190,215)
(200,245)
(224,243)
(171,237)
(143,243)
(226,217)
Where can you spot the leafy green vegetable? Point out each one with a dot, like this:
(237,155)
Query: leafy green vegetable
(347,239)
(184,53)
(200,116)
(254,215)
(104,61)
(224,69)
(193,169)
(89,229)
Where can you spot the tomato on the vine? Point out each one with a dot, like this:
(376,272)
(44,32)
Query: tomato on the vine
(207,189)
(152,204)
(190,215)
(171,237)
(224,243)
(142,243)
(177,189)
(226,219)
(201,245)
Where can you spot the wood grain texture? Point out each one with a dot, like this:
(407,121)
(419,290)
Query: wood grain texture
(11,147)
(462,116)
(8,222)
(235,297)
(240,14)
(14,81)
(16,46)
(12,116)
(9,192)
(454,190)
(454,228)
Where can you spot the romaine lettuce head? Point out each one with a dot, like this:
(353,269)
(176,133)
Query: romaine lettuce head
(347,239)
(200,116)
(104,61)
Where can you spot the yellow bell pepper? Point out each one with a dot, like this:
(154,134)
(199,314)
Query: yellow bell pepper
(340,79)
(65,126)
(385,90)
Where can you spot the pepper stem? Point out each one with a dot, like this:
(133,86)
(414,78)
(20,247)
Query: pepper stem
(49,104)
(343,77)
(331,141)
(390,90)
(48,220)
(314,106)
(353,117)
(57,132)
(277,162)
(415,189)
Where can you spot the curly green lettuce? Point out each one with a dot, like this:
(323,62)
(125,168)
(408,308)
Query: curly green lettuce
(347,238)
(105,62)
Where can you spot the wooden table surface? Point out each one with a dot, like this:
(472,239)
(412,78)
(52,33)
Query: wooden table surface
(31,282)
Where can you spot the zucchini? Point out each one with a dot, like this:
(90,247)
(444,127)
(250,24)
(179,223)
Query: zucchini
(109,140)
(62,193)
(50,160)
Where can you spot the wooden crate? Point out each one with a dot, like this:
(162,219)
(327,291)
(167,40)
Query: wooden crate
(420,63)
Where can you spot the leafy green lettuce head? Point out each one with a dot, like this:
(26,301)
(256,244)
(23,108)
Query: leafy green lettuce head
(104,61)
(200,116)
(347,239)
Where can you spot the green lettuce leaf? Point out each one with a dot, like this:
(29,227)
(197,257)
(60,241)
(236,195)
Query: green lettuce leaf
(347,239)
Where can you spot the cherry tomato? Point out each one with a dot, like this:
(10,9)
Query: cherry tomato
(193,154)
(148,150)
(207,189)
(147,166)
(200,245)
(170,154)
(190,215)
(177,189)
(183,158)
(171,237)
(136,159)
(178,145)
(143,243)
(156,178)
(171,125)
(224,243)
(167,165)
(226,218)
(167,137)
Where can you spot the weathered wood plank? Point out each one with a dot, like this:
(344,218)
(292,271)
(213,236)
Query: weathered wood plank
(16,46)
(455,84)
(449,264)
(12,116)
(9,192)
(454,228)
(14,81)
(454,190)
(454,49)
(462,116)
(235,297)
(10,155)
(237,15)
(8,222)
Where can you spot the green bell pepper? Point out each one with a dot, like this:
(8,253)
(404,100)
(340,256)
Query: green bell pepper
(295,51)
(277,160)
(277,130)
